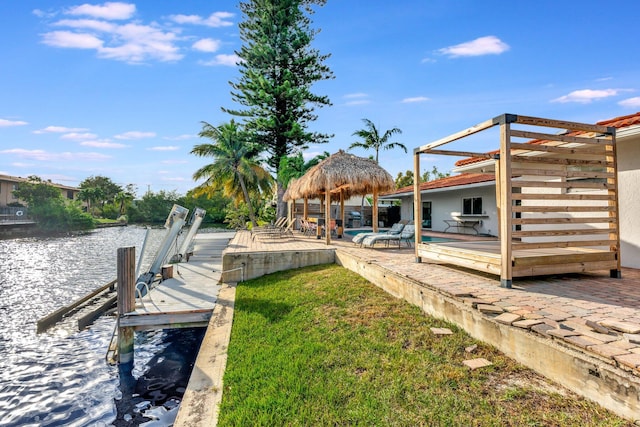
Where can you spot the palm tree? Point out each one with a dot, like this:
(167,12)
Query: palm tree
(295,166)
(90,195)
(122,198)
(236,168)
(373,140)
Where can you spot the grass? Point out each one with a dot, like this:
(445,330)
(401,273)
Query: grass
(322,346)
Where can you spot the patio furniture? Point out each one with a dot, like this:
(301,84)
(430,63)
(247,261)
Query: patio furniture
(308,228)
(407,235)
(277,224)
(282,230)
(395,229)
(461,223)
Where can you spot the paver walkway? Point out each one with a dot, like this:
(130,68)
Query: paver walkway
(590,312)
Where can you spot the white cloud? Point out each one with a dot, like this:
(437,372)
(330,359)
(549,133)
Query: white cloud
(103,144)
(207,45)
(585,96)
(488,45)
(180,137)
(21,165)
(222,59)
(358,102)
(89,24)
(356,95)
(137,43)
(68,39)
(216,19)
(101,28)
(4,123)
(357,98)
(76,136)
(58,129)
(631,102)
(129,42)
(415,99)
(174,162)
(108,10)
(42,155)
(187,19)
(135,135)
(165,148)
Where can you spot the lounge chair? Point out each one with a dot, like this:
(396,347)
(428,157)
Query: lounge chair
(282,230)
(395,229)
(279,223)
(407,235)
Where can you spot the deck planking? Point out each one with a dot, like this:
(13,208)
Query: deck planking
(189,297)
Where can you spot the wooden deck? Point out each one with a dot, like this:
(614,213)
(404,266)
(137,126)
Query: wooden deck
(485,256)
(187,299)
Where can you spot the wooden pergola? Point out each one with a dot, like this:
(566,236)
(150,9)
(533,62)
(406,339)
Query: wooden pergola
(337,178)
(557,200)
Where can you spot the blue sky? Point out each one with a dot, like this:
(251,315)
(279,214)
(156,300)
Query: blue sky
(120,88)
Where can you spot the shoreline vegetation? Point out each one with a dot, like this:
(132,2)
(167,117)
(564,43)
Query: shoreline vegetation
(321,345)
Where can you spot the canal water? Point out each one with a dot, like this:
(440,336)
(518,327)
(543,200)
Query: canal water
(60,377)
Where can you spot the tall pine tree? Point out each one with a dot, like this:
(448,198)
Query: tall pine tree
(277,69)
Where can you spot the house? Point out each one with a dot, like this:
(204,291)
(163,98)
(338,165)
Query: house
(10,183)
(470,197)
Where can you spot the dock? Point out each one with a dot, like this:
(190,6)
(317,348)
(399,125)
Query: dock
(187,299)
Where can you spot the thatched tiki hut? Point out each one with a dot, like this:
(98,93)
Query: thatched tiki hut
(339,177)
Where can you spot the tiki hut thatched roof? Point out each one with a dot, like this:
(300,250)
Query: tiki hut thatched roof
(341,171)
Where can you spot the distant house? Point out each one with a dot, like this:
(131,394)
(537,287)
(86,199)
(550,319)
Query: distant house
(10,183)
(470,195)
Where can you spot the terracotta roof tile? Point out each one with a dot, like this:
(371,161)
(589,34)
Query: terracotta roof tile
(616,122)
(449,181)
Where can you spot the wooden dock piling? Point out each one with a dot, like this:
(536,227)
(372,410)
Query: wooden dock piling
(126,301)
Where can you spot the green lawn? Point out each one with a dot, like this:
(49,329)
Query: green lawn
(322,346)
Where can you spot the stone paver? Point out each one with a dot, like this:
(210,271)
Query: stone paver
(441,331)
(477,363)
(527,323)
(629,328)
(507,318)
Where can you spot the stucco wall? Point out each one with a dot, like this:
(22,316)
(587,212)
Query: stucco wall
(629,199)
(445,204)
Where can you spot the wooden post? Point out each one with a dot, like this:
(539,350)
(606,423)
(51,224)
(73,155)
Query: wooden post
(506,210)
(327,214)
(498,194)
(318,228)
(305,208)
(417,208)
(126,301)
(614,235)
(342,223)
(374,210)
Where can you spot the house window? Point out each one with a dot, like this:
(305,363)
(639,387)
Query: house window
(426,214)
(472,206)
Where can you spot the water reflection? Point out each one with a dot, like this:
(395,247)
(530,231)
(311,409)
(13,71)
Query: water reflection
(60,377)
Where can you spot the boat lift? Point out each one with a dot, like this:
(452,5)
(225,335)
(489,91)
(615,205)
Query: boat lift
(175,221)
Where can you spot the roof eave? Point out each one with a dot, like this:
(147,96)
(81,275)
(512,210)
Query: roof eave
(440,189)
